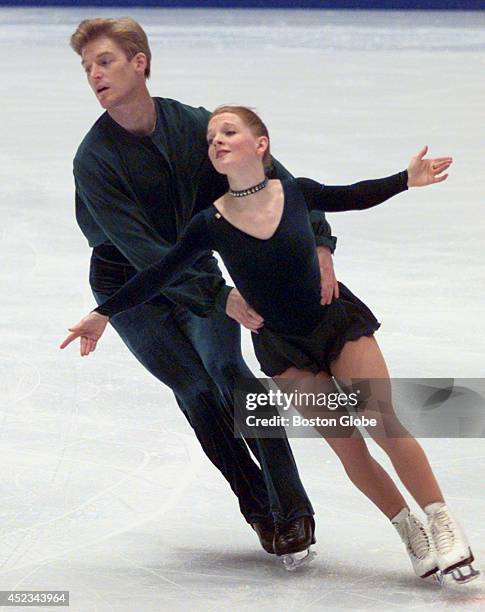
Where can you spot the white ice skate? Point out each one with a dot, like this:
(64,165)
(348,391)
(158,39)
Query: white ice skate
(419,544)
(453,553)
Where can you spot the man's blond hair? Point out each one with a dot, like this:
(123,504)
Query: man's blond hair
(125,32)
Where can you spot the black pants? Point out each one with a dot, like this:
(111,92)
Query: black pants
(200,360)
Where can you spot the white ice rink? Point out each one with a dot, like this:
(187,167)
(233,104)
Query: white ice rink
(104,489)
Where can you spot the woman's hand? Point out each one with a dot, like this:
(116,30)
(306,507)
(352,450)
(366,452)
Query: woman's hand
(89,329)
(423,172)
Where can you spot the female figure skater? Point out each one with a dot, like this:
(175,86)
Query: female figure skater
(255,227)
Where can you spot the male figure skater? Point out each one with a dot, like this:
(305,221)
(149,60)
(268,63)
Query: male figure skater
(141,173)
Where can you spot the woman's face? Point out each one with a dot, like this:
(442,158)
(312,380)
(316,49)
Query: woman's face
(232,144)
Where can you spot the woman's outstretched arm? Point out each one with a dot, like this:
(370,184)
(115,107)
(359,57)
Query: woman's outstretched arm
(145,285)
(366,194)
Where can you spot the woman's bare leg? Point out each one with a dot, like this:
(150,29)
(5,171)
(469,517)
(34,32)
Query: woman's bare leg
(362,469)
(362,359)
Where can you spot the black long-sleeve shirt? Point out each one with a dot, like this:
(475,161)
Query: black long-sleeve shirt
(278,276)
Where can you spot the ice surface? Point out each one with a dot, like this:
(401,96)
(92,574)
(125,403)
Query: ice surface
(105,491)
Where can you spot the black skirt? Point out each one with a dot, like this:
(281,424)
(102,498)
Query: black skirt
(345,319)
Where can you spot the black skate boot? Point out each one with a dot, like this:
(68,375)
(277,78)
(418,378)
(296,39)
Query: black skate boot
(292,541)
(265,530)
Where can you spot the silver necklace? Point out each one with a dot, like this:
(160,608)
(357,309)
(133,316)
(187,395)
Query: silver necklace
(240,193)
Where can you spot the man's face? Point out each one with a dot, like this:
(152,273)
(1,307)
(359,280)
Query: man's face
(114,79)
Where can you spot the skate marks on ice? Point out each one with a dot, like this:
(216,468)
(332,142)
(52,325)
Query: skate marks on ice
(345,587)
(48,519)
(81,544)
(116,536)
(253,579)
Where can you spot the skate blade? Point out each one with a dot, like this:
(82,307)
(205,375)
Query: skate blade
(462,578)
(294,561)
(434,575)
(438,578)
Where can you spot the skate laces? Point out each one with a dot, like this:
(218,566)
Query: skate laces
(442,529)
(414,534)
